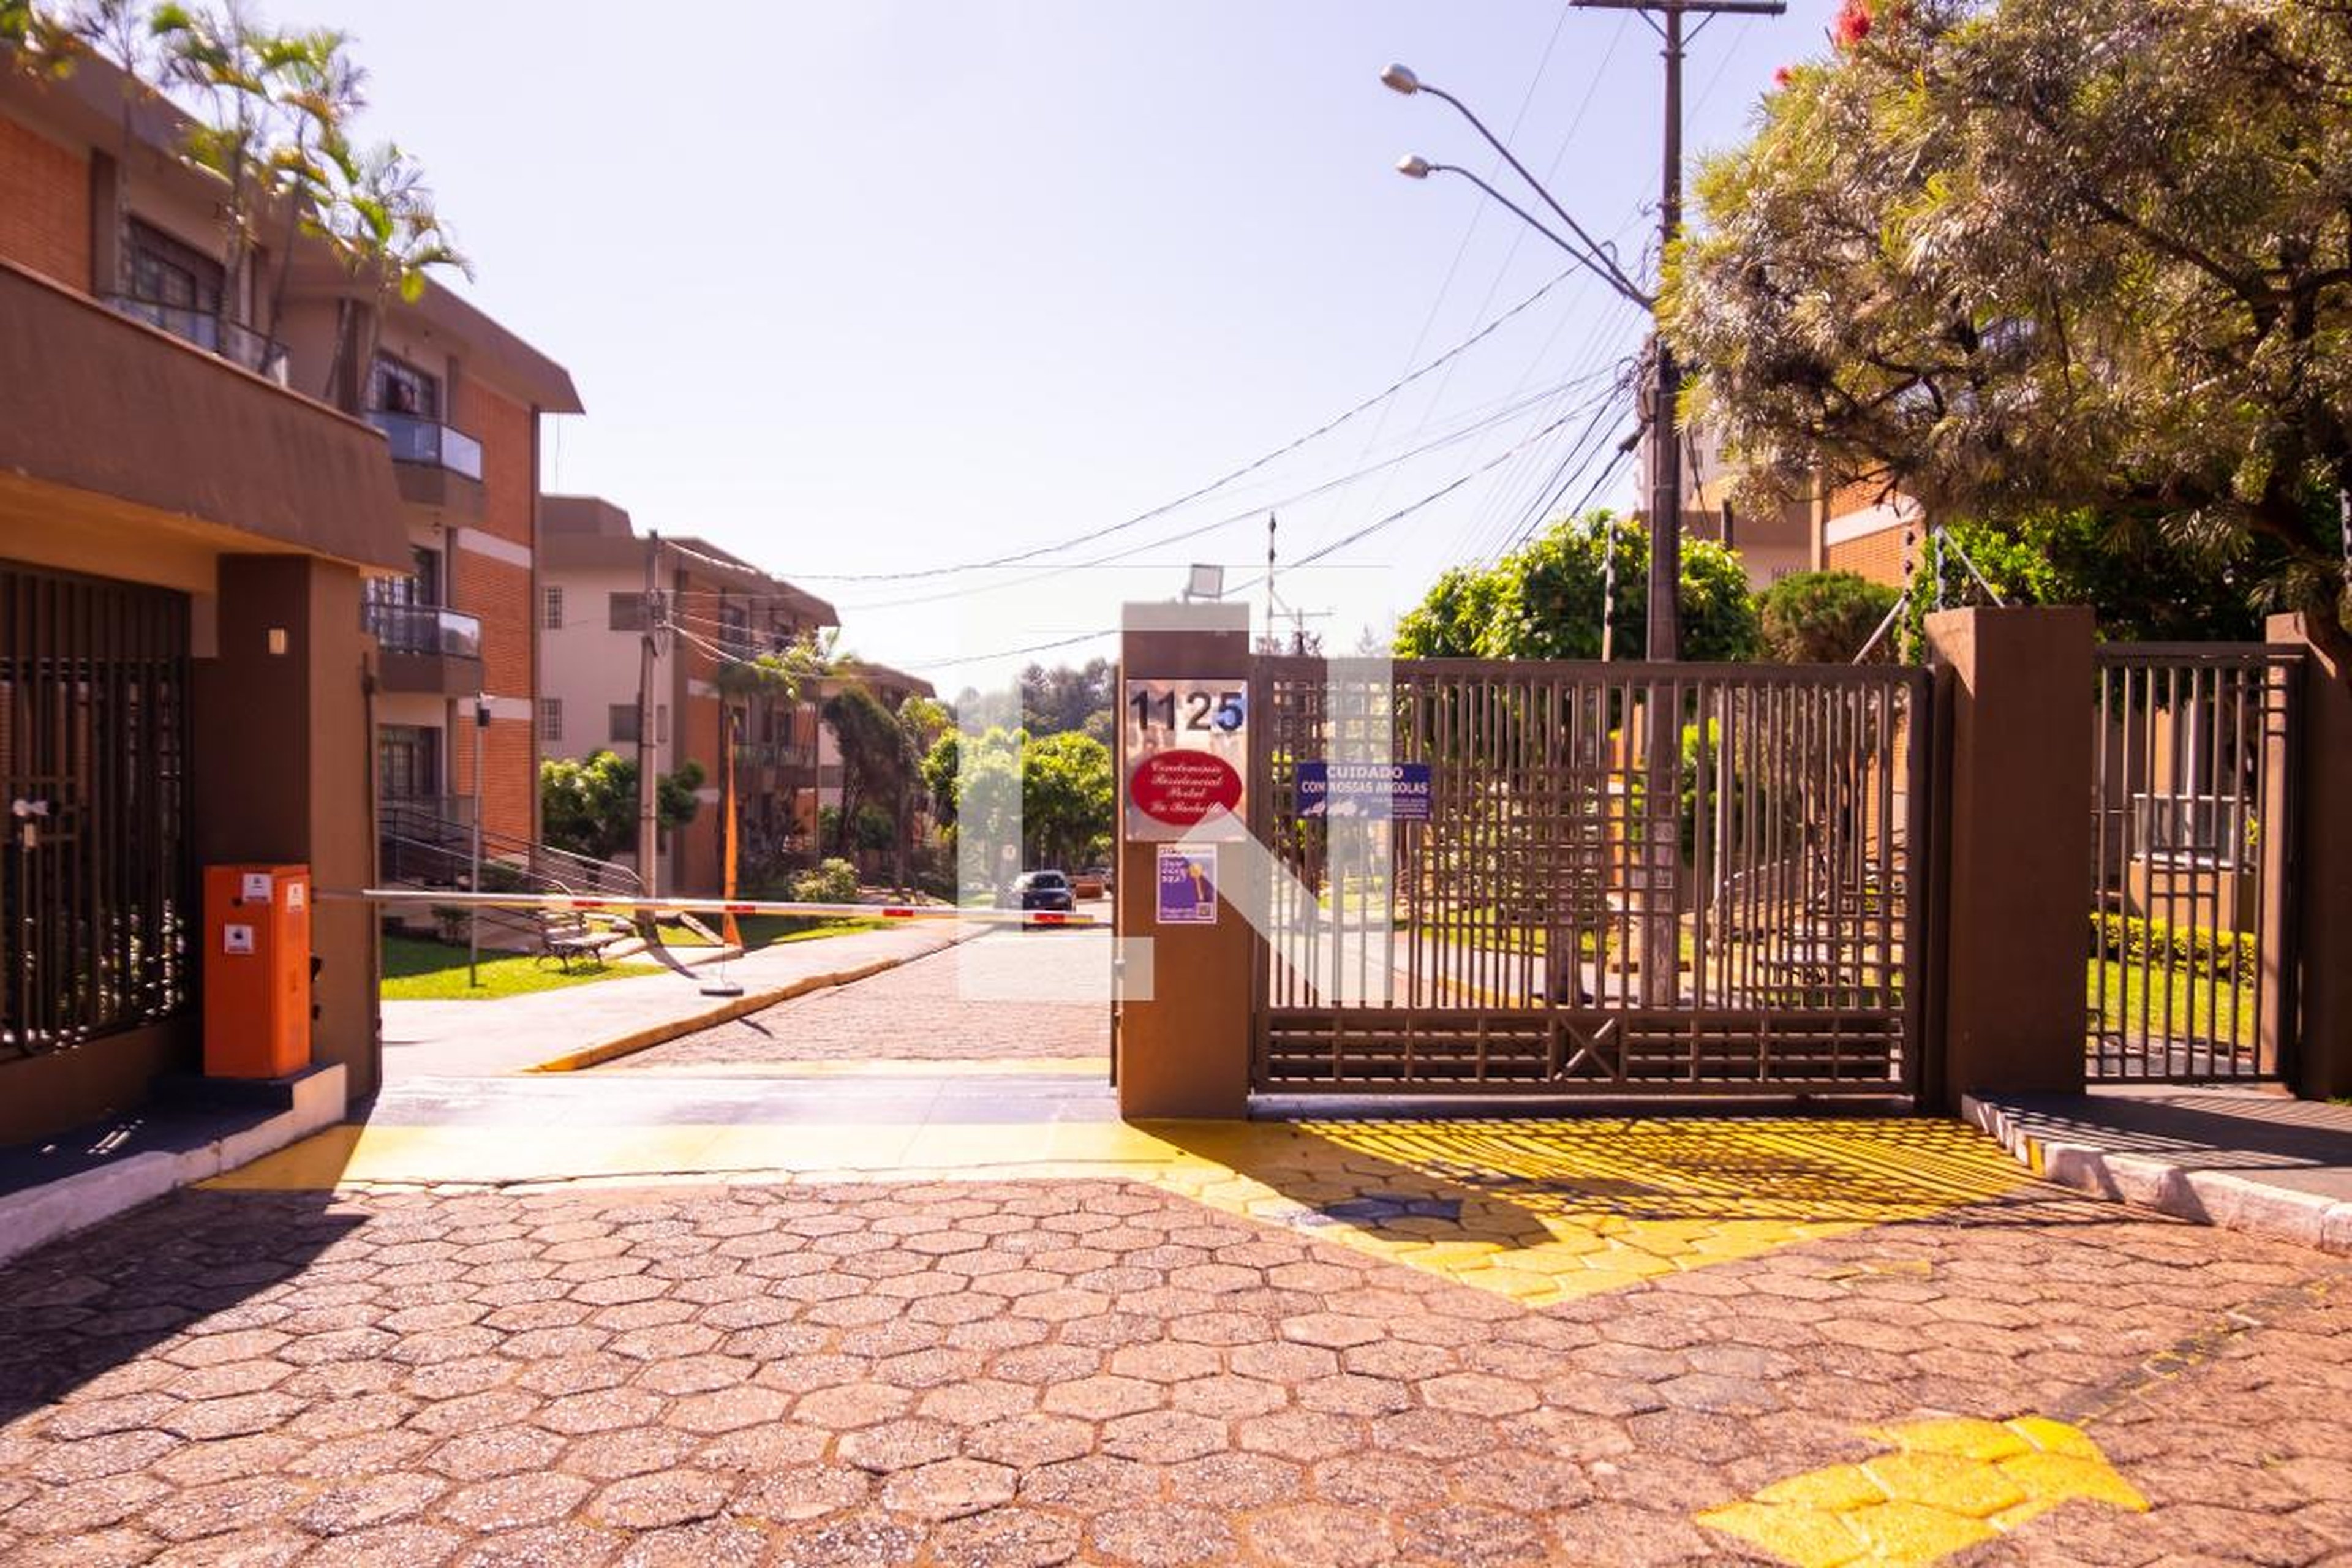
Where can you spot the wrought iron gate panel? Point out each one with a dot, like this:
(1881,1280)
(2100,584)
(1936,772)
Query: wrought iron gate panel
(2191,833)
(94,865)
(1495,946)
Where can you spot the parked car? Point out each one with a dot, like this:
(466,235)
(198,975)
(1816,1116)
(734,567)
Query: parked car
(1094,884)
(1033,892)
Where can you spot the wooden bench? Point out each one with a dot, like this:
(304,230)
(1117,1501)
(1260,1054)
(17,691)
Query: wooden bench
(563,938)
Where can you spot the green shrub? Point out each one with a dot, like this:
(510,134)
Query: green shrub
(2227,955)
(833,882)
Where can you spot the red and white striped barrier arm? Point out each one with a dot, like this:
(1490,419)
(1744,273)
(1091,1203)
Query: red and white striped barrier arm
(574,903)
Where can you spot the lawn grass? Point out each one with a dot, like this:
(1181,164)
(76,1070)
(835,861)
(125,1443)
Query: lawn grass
(770,930)
(2198,1009)
(417,970)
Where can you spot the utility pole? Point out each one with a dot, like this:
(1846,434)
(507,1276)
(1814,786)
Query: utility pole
(648,814)
(1665,18)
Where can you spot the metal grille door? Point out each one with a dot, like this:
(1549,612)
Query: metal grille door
(2190,828)
(1686,878)
(95,901)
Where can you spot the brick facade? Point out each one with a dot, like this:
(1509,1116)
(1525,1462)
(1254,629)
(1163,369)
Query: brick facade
(1878,556)
(43,205)
(510,768)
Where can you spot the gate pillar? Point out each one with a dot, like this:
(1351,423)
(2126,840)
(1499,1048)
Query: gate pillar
(2015,724)
(2313,917)
(1187,956)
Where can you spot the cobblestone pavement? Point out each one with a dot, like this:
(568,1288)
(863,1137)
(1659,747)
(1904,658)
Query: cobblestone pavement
(1010,996)
(987,1371)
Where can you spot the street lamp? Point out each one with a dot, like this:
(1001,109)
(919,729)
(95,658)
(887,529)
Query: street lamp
(1666,468)
(1656,899)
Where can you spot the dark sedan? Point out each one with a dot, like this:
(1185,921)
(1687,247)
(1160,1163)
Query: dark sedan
(1041,892)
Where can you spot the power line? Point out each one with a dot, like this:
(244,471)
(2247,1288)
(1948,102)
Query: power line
(1217,484)
(1250,515)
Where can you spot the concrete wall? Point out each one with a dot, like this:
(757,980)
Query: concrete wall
(2321,912)
(2014,739)
(284,770)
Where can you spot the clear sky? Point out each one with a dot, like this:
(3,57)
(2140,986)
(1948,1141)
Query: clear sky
(877,286)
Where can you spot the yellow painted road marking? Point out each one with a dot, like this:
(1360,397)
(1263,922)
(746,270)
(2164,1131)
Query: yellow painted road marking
(1943,1486)
(1537,1211)
(1095,1066)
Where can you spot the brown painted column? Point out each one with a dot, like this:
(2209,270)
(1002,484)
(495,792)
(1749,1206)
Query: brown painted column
(2319,912)
(1184,1013)
(283,754)
(2016,693)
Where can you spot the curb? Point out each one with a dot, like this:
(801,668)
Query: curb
(38,1216)
(741,1006)
(2219,1198)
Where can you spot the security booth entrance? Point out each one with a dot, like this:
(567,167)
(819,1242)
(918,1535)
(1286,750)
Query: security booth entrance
(1582,878)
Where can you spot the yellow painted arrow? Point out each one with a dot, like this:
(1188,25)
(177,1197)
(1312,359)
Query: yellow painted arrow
(1942,1486)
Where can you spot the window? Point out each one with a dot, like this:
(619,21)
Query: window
(551,616)
(408,762)
(396,386)
(550,717)
(163,272)
(623,722)
(627,611)
(735,631)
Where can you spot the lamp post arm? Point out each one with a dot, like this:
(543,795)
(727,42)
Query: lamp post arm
(1609,271)
(1593,262)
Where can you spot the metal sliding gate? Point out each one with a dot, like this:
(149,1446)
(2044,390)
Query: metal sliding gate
(95,880)
(1591,879)
(2190,976)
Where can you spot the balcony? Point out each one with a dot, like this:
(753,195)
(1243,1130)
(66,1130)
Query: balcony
(427,649)
(236,343)
(775,754)
(435,465)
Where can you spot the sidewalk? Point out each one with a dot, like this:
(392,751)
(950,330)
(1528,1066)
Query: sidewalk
(587,1023)
(2243,1159)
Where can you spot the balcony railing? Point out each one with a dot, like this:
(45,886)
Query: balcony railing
(214,333)
(424,629)
(774,754)
(426,441)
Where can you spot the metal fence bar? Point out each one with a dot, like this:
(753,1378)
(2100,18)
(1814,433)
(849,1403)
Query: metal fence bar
(2190,832)
(1763,835)
(95,884)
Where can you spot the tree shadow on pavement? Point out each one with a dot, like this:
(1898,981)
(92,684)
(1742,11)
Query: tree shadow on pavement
(91,1302)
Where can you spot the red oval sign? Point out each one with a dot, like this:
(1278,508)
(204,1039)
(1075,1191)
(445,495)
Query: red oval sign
(1182,788)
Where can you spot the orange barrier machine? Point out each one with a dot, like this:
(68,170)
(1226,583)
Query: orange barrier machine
(256,970)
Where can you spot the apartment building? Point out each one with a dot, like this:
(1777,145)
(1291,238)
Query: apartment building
(249,582)
(716,614)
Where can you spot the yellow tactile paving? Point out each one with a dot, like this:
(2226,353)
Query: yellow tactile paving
(1537,1211)
(1942,1486)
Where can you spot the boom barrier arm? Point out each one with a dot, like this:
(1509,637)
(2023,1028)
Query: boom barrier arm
(573,903)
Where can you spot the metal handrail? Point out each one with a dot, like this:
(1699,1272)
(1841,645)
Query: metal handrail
(428,442)
(210,331)
(424,629)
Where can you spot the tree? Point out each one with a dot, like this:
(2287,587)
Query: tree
(590,807)
(2017,259)
(1065,796)
(1067,697)
(878,762)
(35,40)
(1544,600)
(1821,618)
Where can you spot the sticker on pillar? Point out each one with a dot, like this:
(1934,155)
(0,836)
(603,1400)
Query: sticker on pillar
(254,888)
(1187,753)
(297,894)
(1188,885)
(236,939)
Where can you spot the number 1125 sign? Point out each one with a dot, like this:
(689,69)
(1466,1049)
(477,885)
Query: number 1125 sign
(1199,711)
